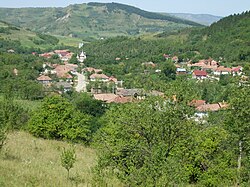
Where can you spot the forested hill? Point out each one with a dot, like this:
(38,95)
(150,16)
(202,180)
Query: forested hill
(92,20)
(228,38)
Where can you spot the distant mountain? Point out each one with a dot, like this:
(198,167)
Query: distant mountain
(205,19)
(93,20)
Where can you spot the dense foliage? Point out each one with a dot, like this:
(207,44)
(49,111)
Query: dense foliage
(58,119)
(155,143)
(228,38)
(18,76)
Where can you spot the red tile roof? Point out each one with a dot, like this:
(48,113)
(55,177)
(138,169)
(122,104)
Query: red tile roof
(44,78)
(98,76)
(200,73)
(112,98)
(90,69)
(223,69)
(197,103)
(212,107)
(112,79)
(237,69)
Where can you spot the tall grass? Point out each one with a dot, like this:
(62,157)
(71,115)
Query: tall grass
(29,161)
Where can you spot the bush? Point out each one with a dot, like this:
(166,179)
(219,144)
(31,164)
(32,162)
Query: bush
(58,119)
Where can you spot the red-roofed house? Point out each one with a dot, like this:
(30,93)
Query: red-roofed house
(46,80)
(197,103)
(90,70)
(112,98)
(212,107)
(113,79)
(100,77)
(222,71)
(199,74)
(237,70)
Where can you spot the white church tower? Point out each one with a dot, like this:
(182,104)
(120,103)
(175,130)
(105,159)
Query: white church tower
(82,57)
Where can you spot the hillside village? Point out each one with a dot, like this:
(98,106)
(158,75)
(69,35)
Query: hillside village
(66,77)
(145,100)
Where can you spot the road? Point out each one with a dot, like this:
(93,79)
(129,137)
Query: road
(81,85)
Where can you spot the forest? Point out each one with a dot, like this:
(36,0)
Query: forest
(152,142)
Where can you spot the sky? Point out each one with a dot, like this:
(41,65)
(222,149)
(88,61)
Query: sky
(215,7)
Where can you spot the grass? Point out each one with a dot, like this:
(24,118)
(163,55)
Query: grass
(29,161)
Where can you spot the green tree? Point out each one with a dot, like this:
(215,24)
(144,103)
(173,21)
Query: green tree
(58,119)
(139,141)
(68,158)
(169,71)
(238,123)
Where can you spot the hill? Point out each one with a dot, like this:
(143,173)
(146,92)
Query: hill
(227,38)
(92,20)
(19,37)
(29,161)
(204,19)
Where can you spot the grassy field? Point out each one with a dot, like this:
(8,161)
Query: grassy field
(29,161)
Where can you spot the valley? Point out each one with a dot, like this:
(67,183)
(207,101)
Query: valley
(107,94)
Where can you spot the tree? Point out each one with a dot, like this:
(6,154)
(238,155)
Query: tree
(238,123)
(58,119)
(138,141)
(169,71)
(68,158)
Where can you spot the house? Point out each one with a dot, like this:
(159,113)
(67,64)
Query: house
(166,56)
(45,80)
(100,77)
(222,71)
(64,55)
(196,103)
(65,86)
(211,107)
(113,79)
(208,64)
(149,64)
(108,97)
(62,71)
(47,55)
(132,93)
(112,98)
(237,70)
(199,74)
(92,70)
(181,71)
(175,59)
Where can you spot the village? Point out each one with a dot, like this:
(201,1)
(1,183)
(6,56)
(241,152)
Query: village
(66,77)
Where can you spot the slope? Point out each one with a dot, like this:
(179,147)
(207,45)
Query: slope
(92,20)
(205,19)
(228,38)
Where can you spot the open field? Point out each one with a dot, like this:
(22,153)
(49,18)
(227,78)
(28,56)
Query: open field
(29,161)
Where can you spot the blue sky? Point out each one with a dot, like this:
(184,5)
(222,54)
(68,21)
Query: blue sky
(215,7)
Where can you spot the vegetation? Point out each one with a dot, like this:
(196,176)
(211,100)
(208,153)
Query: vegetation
(58,119)
(156,141)
(68,159)
(89,21)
